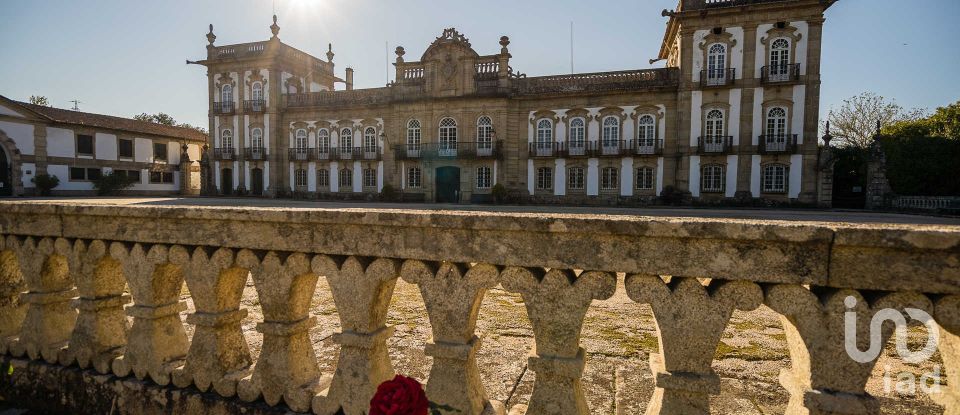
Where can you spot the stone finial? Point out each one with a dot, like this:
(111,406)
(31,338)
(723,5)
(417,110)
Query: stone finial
(157,342)
(274,28)
(12,310)
(101,330)
(400,51)
(218,355)
(827,138)
(287,367)
(452,294)
(362,288)
(824,377)
(330,53)
(504,42)
(210,36)
(50,317)
(557,302)
(690,319)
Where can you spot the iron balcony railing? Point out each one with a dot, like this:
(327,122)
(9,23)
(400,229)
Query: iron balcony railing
(718,77)
(646,147)
(597,148)
(224,153)
(458,150)
(255,153)
(778,143)
(780,73)
(302,154)
(223,107)
(544,149)
(255,105)
(714,144)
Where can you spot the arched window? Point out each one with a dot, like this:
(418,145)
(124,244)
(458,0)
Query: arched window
(256,91)
(370,140)
(413,135)
(256,138)
(346,141)
(323,140)
(413,177)
(578,136)
(774,178)
(646,131)
(712,179)
(226,93)
(609,178)
(717,64)
(484,133)
(645,178)
(713,133)
(611,132)
(448,137)
(300,141)
(226,139)
(544,134)
(346,180)
(776,123)
(779,59)
(483,177)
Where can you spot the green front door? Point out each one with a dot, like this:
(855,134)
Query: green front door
(448,185)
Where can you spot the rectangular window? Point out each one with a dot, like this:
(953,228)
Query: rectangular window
(712,179)
(78,174)
(413,177)
(125,148)
(575,178)
(645,178)
(300,176)
(609,178)
(369,178)
(323,178)
(544,178)
(161,177)
(483,177)
(84,144)
(346,180)
(133,175)
(160,152)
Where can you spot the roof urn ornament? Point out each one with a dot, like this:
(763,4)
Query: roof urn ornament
(504,42)
(400,52)
(210,36)
(274,28)
(330,52)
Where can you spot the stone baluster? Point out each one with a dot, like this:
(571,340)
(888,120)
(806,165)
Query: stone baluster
(948,318)
(452,294)
(362,288)
(157,342)
(12,310)
(50,317)
(101,330)
(824,377)
(287,367)
(218,355)
(557,302)
(690,319)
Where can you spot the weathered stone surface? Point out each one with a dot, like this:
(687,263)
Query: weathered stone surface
(453,294)
(557,301)
(690,319)
(12,310)
(824,378)
(948,317)
(101,330)
(362,288)
(218,354)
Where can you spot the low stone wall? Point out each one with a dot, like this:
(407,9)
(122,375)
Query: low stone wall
(83,265)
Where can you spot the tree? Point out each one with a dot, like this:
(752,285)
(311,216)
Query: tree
(162,118)
(854,124)
(39,100)
(944,123)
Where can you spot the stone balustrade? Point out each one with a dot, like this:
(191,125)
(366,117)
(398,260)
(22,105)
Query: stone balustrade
(84,270)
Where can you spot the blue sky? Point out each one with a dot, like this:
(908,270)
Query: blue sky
(125,57)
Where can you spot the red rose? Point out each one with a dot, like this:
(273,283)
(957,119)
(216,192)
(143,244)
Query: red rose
(400,396)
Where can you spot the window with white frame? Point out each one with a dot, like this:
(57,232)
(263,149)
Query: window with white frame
(776,137)
(256,91)
(346,141)
(544,178)
(645,178)
(646,131)
(774,178)
(484,133)
(780,60)
(323,140)
(713,131)
(414,175)
(369,177)
(575,178)
(323,178)
(483,177)
(544,134)
(717,64)
(226,139)
(300,176)
(413,135)
(300,141)
(370,140)
(712,178)
(346,179)
(256,138)
(226,93)
(611,132)
(609,178)
(578,134)
(448,136)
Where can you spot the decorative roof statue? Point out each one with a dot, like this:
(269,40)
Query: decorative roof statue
(329,52)
(210,36)
(274,28)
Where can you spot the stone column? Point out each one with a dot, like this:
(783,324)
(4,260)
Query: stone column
(453,294)
(690,318)
(12,310)
(40,150)
(824,377)
(362,288)
(287,367)
(557,302)
(50,318)
(157,342)
(948,318)
(101,330)
(218,355)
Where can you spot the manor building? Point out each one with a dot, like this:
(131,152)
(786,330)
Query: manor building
(734,114)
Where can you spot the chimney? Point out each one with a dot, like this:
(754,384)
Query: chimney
(349,80)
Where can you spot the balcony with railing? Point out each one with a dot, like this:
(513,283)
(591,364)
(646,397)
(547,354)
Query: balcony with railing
(224,153)
(717,77)
(255,153)
(715,144)
(464,150)
(779,143)
(780,73)
(254,105)
(153,308)
(647,147)
(223,107)
(302,154)
(644,79)
(544,149)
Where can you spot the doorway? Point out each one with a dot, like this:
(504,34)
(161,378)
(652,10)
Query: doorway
(448,184)
(256,181)
(6,174)
(226,181)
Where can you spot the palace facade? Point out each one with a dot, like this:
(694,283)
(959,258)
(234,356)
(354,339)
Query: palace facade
(734,114)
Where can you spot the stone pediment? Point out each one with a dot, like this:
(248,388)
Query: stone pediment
(450,43)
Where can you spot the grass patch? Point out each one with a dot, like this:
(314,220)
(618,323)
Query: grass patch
(751,353)
(631,344)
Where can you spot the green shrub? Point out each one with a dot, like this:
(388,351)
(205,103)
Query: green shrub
(922,166)
(45,183)
(112,184)
(671,196)
(499,193)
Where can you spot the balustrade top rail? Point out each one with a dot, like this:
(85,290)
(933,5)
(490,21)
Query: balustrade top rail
(599,81)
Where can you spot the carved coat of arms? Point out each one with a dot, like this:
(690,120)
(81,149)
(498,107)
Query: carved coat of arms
(448,69)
